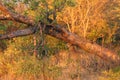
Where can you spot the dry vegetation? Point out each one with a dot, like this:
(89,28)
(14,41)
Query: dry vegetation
(96,20)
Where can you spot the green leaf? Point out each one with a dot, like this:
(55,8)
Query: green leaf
(71,3)
(43,1)
(2,27)
(26,1)
(34,5)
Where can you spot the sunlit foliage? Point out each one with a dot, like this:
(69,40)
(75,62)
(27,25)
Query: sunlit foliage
(96,20)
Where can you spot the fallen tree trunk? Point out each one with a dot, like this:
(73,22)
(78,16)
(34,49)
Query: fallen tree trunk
(61,33)
(84,44)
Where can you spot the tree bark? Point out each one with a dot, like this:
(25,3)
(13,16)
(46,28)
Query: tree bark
(18,33)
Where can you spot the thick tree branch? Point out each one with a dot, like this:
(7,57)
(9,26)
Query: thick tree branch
(18,18)
(15,17)
(18,33)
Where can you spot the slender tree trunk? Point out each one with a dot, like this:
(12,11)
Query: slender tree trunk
(35,45)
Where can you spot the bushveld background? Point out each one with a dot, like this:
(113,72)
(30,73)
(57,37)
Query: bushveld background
(96,20)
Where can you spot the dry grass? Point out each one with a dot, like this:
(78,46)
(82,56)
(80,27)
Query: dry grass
(67,65)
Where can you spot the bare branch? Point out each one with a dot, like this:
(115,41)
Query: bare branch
(3,8)
(18,33)
(23,19)
(16,17)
